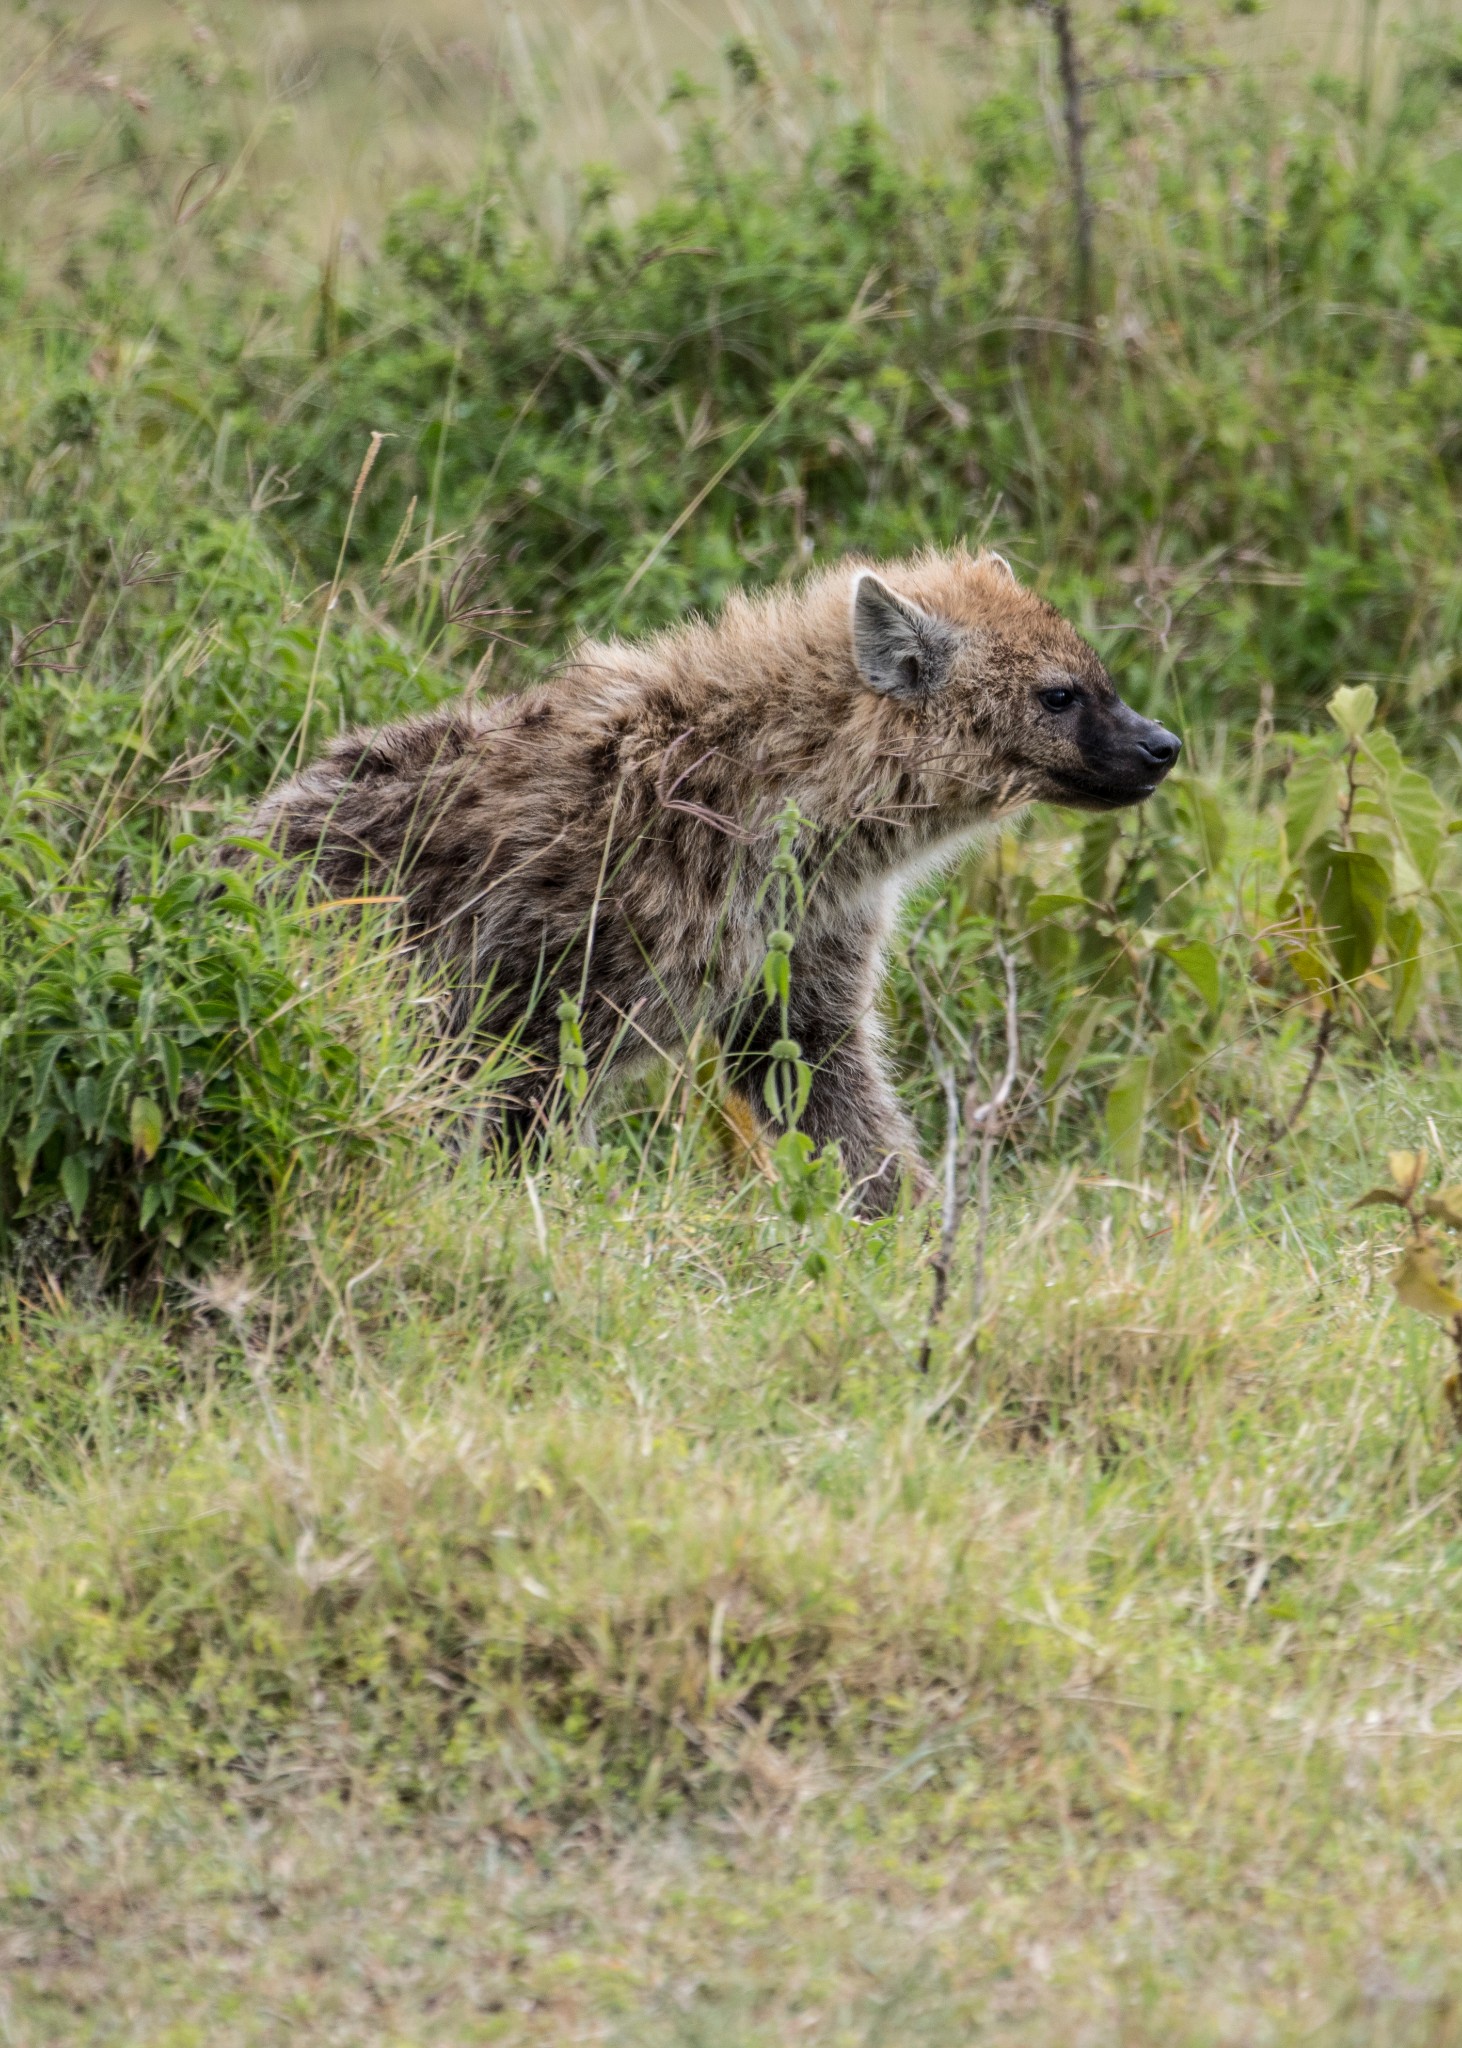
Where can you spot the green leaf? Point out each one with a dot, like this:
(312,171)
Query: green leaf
(144,1122)
(1311,802)
(1404,940)
(1383,754)
(1353,708)
(1420,820)
(1299,939)
(1098,837)
(1178,1057)
(1047,902)
(244,844)
(75,1183)
(1199,962)
(1069,1042)
(1351,891)
(1126,1114)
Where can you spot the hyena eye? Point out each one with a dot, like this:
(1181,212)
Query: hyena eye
(1060,699)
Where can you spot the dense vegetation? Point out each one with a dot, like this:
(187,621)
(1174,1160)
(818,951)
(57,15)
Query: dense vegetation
(397,1512)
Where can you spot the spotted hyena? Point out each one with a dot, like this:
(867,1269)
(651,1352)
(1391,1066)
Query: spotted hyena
(611,831)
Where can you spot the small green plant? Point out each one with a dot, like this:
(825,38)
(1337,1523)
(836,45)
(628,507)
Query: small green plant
(789,1078)
(1364,832)
(807,1187)
(573,1063)
(1166,948)
(1420,1276)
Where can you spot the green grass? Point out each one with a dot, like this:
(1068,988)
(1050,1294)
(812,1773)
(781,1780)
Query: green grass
(445,1605)
(610,1629)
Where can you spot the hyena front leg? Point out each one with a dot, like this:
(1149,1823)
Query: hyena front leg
(851,1103)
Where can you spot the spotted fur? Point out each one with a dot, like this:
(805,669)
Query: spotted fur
(611,830)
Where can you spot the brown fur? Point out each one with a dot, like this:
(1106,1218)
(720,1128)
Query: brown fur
(626,809)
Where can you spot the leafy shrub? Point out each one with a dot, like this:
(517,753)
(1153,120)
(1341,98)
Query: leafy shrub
(201,679)
(1160,948)
(791,356)
(176,1057)
(1364,837)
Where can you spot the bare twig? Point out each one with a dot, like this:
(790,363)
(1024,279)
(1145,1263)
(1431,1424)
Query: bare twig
(988,1116)
(1068,63)
(1322,1045)
(961,1123)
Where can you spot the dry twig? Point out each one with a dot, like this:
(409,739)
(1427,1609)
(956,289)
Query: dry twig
(963,1117)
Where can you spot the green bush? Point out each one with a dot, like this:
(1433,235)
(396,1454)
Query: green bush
(1160,950)
(179,1054)
(837,351)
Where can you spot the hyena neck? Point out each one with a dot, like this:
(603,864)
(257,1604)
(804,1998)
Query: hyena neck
(880,849)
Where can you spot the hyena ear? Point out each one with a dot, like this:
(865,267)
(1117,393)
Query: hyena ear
(900,650)
(999,562)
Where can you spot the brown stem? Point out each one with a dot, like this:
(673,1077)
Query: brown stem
(1347,802)
(1068,63)
(958,1145)
(1322,1045)
(951,1205)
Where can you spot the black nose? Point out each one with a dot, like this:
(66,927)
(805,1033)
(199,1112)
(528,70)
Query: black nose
(1160,746)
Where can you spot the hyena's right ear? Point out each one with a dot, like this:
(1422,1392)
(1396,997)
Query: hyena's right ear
(900,650)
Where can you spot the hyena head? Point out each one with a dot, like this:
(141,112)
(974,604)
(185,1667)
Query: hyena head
(996,687)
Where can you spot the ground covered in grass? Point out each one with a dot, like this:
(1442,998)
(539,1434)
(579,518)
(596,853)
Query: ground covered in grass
(564,1618)
(447,1604)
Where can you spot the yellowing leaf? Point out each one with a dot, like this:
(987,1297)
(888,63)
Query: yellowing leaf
(1406,1170)
(1446,1206)
(1353,708)
(1375,1198)
(144,1120)
(1421,1284)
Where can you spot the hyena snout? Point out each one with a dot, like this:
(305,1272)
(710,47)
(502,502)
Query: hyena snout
(1129,754)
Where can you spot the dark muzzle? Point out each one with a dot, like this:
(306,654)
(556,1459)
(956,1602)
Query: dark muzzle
(1130,752)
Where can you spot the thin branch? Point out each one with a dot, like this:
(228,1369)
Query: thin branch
(1068,63)
(1322,1045)
(988,1111)
(959,1132)
(988,1117)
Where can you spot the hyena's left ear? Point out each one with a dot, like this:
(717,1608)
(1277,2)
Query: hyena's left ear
(900,650)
